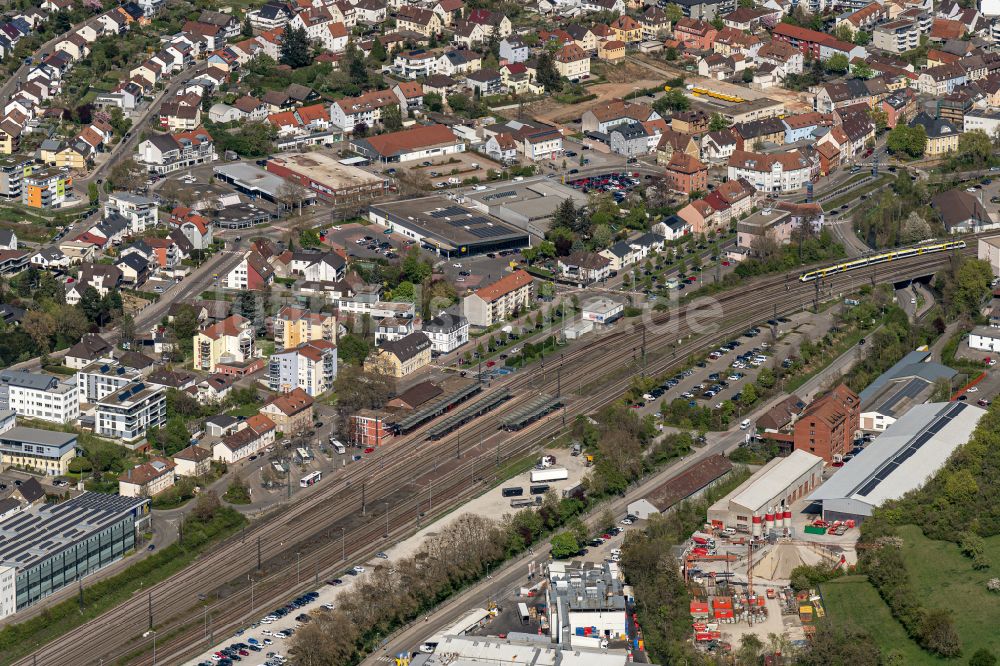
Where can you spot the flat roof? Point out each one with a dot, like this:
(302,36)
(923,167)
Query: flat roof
(38,436)
(251,177)
(903,457)
(449,223)
(534,199)
(326,169)
(772,479)
(38,532)
(899,395)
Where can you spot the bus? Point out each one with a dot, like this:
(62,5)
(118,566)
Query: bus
(310,479)
(304,454)
(512,492)
(520,503)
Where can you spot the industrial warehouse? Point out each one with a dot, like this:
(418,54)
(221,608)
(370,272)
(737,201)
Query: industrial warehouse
(47,547)
(331,181)
(764,501)
(901,459)
(447,227)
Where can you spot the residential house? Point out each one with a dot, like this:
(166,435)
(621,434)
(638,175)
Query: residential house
(584,268)
(255,435)
(400,358)
(232,339)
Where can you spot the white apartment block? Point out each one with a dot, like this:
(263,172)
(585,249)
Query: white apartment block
(39,396)
(127,414)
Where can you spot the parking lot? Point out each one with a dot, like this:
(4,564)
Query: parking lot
(450,170)
(616,183)
(723,374)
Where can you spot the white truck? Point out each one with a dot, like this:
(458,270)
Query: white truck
(550,474)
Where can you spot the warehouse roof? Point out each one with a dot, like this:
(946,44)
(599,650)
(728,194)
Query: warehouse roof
(903,457)
(38,436)
(780,473)
(689,482)
(913,364)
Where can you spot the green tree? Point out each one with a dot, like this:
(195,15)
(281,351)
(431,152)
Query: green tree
(670,54)
(119,123)
(862,38)
(982,657)
(837,64)
(352,349)
(862,70)
(377,53)
(93,193)
(673,100)
(295,48)
(750,650)
(673,12)
(749,394)
(247,28)
(547,74)
(174,436)
(564,544)
(975,147)
(938,634)
(184,326)
(392,118)
(433,102)
(310,238)
(717,123)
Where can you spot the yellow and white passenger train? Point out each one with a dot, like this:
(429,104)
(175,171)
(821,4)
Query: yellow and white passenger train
(880,258)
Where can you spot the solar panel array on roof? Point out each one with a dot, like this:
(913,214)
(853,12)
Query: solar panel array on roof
(915,445)
(448,212)
(910,391)
(487,232)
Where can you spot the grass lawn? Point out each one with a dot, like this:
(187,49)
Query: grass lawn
(245,411)
(944,578)
(853,598)
(948,580)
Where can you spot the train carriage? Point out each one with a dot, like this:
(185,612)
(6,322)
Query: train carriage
(880,258)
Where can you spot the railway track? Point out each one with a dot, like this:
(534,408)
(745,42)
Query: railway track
(317,526)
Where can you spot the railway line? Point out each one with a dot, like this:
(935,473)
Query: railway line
(317,526)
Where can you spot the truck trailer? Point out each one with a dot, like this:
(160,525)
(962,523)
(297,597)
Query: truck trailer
(550,474)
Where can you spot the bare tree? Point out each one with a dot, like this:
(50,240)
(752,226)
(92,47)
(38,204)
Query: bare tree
(292,195)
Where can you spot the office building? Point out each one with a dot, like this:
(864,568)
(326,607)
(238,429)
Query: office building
(446,332)
(50,546)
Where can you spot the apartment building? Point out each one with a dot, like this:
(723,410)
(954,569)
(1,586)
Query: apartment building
(310,366)
(39,396)
(13,169)
(365,109)
(897,36)
(294,326)
(781,172)
(827,427)
(369,429)
(100,379)
(127,414)
(141,212)
(46,188)
(166,153)
(45,451)
(232,339)
(498,301)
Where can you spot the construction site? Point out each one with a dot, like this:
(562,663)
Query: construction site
(739,567)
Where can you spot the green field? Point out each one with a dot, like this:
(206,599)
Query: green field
(853,598)
(945,579)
